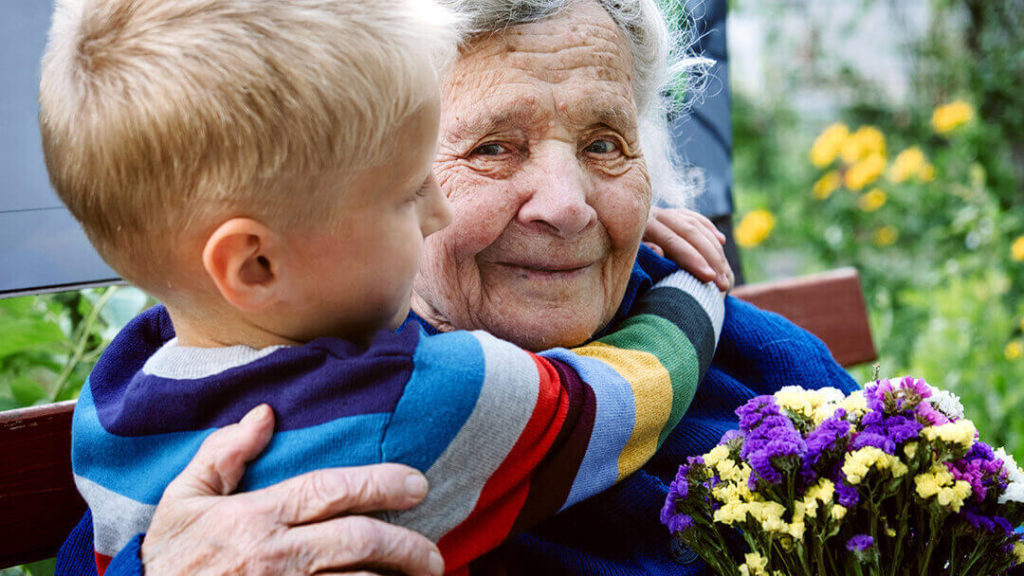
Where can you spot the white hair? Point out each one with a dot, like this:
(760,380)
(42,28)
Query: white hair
(660,51)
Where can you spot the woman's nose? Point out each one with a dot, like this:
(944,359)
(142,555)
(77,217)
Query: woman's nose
(558,190)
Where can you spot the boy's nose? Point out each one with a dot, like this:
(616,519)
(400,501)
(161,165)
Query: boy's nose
(438,211)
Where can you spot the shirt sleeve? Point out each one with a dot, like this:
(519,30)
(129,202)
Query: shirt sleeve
(508,438)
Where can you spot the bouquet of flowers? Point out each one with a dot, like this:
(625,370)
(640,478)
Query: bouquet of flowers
(889,480)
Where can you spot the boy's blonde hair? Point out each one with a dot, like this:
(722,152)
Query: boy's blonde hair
(160,116)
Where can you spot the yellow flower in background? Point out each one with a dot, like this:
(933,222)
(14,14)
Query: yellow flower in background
(1017,249)
(872,200)
(1014,350)
(865,172)
(867,141)
(754,228)
(827,184)
(828,144)
(949,117)
(911,163)
(885,236)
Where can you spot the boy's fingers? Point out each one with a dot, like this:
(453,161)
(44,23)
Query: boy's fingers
(324,494)
(364,543)
(219,464)
(655,248)
(687,249)
(692,226)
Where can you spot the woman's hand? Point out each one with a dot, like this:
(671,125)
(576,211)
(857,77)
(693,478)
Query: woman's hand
(300,526)
(691,241)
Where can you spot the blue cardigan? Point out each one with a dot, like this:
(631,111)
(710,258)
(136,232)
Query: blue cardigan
(618,531)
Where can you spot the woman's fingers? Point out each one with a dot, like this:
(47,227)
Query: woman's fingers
(324,494)
(219,464)
(360,542)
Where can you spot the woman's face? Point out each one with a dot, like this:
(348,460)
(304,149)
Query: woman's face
(540,158)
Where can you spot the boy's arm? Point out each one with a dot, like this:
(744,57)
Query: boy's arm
(508,438)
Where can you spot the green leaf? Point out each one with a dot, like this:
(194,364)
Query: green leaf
(24,328)
(26,391)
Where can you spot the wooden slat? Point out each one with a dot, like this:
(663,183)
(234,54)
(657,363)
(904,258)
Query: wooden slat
(829,305)
(39,504)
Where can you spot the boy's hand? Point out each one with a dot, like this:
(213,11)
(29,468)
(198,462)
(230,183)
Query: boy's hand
(691,241)
(304,525)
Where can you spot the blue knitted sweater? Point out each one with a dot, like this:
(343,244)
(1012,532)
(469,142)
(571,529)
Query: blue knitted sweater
(618,531)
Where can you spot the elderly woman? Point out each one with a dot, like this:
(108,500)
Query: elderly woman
(550,142)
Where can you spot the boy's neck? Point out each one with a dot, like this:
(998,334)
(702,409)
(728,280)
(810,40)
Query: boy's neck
(218,330)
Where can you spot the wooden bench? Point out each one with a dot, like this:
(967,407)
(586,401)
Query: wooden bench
(39,504)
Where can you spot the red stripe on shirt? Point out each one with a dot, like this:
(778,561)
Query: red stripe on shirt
(504,494)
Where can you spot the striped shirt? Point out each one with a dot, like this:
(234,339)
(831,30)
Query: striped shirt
(505,437)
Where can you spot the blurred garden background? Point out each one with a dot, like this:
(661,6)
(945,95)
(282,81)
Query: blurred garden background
(882,134)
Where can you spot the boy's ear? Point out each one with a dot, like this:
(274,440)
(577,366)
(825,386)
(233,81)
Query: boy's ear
(241,257)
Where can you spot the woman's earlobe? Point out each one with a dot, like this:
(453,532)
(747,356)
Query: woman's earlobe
(239,258)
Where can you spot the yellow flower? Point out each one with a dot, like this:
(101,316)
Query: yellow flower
(885,236)
(828,144)
(1018,552)
(949,117)
(838,512)
(857,464)
(754,228)
(961,432)
(865,172)
(911,163)
(1014,350)
(867,141)
(872,200)
(910,449)
(827,184)
(1017,249)
(717,454)
(940,483)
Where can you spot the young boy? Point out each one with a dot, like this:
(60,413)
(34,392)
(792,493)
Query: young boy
(264,169)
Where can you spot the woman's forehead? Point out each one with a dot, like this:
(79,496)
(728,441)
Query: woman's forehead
(575,64)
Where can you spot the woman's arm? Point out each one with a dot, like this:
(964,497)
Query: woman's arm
(303,525)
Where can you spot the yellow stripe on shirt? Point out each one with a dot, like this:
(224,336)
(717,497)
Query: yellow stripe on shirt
(652,395)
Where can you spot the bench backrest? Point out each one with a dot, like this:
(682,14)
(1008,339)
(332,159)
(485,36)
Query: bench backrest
(39,503)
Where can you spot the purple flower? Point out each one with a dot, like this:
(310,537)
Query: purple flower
(769,438)
(981,450)
(860,543)
(848,496)
(676,521)
(1004,525)
(885,433)
(980,522)
(824,439)
(917,386)
(731,436)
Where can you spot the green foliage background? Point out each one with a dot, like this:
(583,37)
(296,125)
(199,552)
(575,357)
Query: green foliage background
(945,297)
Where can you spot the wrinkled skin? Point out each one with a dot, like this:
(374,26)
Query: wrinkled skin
(539,155)
(297,527)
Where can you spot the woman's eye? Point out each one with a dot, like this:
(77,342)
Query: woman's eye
(491,149)
(602,146)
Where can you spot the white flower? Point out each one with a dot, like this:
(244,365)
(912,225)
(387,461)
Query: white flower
(947,403)
(1014,475)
